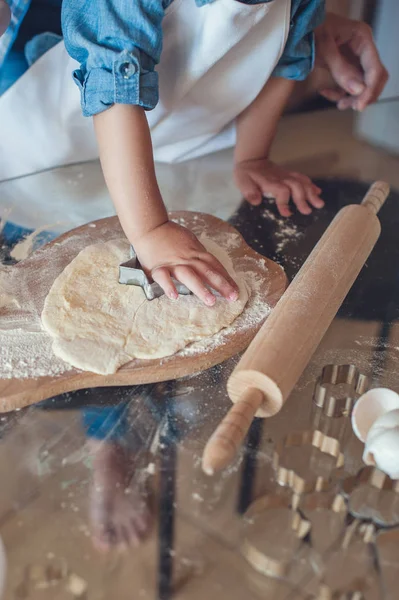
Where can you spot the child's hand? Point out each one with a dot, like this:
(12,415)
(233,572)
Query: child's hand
(173,251)
(260,177)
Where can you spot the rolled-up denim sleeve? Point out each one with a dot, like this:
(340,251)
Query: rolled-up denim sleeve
(298,56)
(118,44)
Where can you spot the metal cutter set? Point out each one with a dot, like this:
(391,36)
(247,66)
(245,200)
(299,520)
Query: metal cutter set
(338,534)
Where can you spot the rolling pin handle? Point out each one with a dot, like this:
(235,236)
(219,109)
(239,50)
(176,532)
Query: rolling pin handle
(376,196)
(229,435)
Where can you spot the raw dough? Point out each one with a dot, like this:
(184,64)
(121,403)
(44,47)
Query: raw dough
(98,324)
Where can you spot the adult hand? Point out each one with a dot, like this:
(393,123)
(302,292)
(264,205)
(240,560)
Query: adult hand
(347,49)
(5,16)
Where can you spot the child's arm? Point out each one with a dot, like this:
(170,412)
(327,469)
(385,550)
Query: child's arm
(165,249)
(255,174)
(118,45)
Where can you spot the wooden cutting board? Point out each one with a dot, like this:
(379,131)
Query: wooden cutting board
(39,271)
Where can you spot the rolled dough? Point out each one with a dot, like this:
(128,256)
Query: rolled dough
(98,324)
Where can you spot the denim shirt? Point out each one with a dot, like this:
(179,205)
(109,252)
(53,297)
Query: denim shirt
(118,44)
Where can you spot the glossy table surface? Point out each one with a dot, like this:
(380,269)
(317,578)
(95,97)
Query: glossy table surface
(102,494)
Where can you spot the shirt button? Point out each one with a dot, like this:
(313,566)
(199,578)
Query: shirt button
(127,70)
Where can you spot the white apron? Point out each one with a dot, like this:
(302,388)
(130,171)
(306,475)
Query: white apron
(215,61)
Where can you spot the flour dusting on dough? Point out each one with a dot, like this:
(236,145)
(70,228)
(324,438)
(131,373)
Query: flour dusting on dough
(98,325)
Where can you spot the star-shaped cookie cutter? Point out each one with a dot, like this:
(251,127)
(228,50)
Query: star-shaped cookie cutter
(131,273)
(288,477)
(334,405)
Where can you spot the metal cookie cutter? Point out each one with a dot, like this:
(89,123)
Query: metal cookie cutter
(131,273)
(387,546)
(288,477)
(337,389)
(371,476)
(372,496)
(268,554)
(349,572)
(326,512)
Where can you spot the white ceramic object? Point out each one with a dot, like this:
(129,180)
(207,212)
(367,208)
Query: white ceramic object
(382,444)
(3,565)
(370,407)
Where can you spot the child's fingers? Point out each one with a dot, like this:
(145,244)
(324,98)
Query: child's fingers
(298,195)
(313,197)
(193,282)
(312,191)
(281,194)
(250,190)
(214,275)
(163,278)
(305,179)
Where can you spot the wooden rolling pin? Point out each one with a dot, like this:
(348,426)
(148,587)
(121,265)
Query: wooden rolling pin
(276,358)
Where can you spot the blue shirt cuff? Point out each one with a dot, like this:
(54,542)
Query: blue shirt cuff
(298,67)
(129,82)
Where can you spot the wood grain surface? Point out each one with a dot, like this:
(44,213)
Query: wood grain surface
(17,393)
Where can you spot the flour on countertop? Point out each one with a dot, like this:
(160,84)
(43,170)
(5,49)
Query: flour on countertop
(6,300)
(286,231)
(28,354)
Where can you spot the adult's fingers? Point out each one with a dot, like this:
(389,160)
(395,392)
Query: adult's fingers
(163,278)
(193,282)
(345,74)
(333,95)
(347,102)
(5,16)
(214,275)
(375,75)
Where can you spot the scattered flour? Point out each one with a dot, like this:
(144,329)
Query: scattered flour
(28,354)
(255,312)
(6,300)
(286,232)
(269,215)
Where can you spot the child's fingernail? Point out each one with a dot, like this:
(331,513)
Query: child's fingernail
(173,295)
(233,296)
(355,87)
(210,300)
